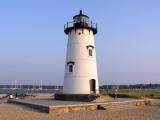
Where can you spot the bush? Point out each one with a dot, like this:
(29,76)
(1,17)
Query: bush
(152,95)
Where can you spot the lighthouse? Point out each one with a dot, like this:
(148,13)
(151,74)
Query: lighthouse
(80,66)
(80,78)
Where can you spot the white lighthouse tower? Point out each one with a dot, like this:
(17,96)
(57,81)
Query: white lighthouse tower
(80,67)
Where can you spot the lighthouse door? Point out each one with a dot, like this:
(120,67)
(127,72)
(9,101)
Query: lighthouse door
(93,86)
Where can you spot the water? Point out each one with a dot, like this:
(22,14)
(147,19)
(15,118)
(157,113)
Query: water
(28,91)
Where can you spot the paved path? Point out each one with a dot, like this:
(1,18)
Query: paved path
(50,102)
(3,100)
(155,102)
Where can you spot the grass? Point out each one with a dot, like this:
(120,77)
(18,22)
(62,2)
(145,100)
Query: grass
(136,94)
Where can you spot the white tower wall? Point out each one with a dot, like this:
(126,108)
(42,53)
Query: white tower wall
(85,67)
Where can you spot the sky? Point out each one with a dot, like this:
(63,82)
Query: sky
(33,43)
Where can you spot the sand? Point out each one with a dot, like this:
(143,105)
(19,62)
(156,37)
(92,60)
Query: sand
(17,112)
(3,95)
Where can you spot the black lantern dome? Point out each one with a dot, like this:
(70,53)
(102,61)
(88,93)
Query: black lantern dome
(80,21)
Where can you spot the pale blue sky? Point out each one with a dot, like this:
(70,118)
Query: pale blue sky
(33,44)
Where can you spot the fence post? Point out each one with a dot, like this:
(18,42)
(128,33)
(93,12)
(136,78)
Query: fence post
(91,24)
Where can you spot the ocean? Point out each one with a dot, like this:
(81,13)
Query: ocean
(28,91)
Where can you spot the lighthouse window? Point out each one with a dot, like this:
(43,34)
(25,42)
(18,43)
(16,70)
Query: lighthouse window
(70,65)
(90,49)
(90,52)
(70,68)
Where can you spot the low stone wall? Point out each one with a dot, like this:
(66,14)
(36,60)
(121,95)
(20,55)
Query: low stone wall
(81,107)
(123,104)
(72,108)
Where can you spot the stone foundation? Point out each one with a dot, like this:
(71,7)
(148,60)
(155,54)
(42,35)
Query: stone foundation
(77,97)
(78,106)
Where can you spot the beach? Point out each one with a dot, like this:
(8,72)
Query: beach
(18,112)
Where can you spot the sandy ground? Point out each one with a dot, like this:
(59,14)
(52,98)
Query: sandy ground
(2,95)
(17,112)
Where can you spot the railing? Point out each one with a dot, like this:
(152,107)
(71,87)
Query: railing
(90,24)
